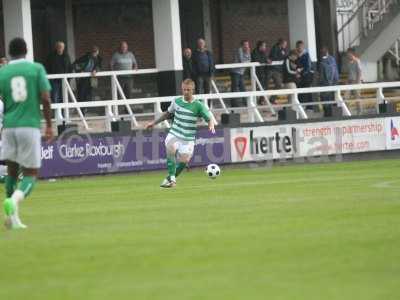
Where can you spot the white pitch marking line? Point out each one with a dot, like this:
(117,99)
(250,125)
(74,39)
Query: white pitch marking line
(387,185)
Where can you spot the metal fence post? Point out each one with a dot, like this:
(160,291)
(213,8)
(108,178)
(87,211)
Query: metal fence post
(341,103)
(251,101)
(380,98)
(296,105)
(110,117)
(114,95)
(65,99)
(157,109)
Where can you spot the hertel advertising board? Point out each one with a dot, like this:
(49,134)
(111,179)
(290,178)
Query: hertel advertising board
(341,137)
(263,143)
(307,140)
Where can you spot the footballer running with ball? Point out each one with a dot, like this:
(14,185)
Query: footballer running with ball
(180,140)
(23,87)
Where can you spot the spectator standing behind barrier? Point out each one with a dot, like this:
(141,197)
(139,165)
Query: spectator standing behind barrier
(291,72)
(241,55)
(354,76)
(58,62)
(203,66)
(328,76)
(3,61)
(91,63)
(307,74)
(259,54)
(188,70)
(124,60)
(278,53)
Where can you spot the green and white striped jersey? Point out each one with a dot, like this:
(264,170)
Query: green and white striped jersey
(186,114)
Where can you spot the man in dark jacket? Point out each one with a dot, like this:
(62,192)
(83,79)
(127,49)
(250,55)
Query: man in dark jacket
(307,74)
(58,62)
(259,54)
(278,54)
(90,62)
(328,76)
(203,66)
(290,72)
(188,71)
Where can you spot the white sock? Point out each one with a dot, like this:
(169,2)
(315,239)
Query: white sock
(172,178)
(17,197)
(13,219)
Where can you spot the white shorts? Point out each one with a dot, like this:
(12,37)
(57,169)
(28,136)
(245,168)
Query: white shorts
(181,146)
(22,145)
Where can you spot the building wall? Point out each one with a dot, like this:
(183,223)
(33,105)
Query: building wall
(47,23)
(40,34)
(253,20)
(232,21)
(191,12)
(106,22)
(116,21)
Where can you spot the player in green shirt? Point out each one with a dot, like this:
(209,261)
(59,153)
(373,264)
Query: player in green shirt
(23,87)
(180,140)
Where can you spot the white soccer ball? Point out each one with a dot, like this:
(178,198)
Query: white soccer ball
(213,171)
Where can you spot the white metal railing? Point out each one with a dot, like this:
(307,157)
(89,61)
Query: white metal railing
(395,51)
(292,93)
(357,18)
(255,85)
(70,102)
(62,114)
(348,18)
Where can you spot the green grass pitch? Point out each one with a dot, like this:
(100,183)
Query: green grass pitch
(329,231)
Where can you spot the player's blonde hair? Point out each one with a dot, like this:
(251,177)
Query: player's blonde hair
(189,82)
(57,43)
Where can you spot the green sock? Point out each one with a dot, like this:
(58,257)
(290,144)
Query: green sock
(171,165)
(181,166)
(10,183)
(27,184)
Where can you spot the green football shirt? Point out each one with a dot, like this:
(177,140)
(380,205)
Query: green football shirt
(186,114)
(21,83)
